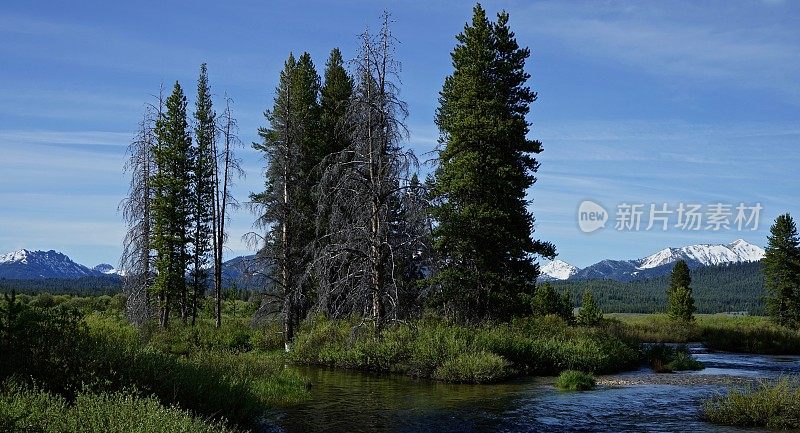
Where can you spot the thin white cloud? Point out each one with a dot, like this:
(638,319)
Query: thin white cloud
(673,41)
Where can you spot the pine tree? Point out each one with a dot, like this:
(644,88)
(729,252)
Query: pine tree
(171,206)
(679,295)
(589,314)
(782,271)
(335,95)
(486,165)
(285,207)
(334,99)
(202,190)
(545,300)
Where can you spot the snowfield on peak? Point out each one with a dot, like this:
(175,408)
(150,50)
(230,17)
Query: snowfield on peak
(660,263)
(558,270)
(15,256)
(705,254)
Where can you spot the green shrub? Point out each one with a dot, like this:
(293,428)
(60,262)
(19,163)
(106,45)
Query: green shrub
(485,353)
(771,405)
(480,367)
(57,350)
(573,380)
(668,359)
(32,410)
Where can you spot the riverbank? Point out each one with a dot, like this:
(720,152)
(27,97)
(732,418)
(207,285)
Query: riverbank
(469,354)
(730,333)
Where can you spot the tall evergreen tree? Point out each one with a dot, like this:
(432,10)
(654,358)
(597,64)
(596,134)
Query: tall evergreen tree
(290,145)
(335,94)
(334,99)
(202,190)
(782,271)
(486,165)
(171,205)
(679,295)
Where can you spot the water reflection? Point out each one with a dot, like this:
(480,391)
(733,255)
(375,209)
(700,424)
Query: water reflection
(357,402)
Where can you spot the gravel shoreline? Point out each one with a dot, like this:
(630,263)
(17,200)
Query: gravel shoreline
(677,379)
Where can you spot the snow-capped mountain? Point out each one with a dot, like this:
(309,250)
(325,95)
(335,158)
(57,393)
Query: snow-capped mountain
(557,270)
(25,264)
(705,254)
(106,269)
(659,263)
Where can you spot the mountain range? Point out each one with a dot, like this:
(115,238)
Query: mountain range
(52,265)
(36,265)
(657,264)
(30,265)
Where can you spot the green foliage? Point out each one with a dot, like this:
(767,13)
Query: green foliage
(219,373)
(573,380)
(334,97)
(484,353)
(770,405)
(486,164)
(202,201)
(668,359)
(680,303)
(33,410)
(589,314)
(546,302)
(170,206)
(782,271)
(480,367)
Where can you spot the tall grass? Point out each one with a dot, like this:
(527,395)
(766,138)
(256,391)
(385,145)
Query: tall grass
(572,380)
(455,353)
(226,373)
(25,409)
(771,405)
(748,334)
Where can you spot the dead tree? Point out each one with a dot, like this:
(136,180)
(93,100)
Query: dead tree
(226,168)
(358,186)
(137,259)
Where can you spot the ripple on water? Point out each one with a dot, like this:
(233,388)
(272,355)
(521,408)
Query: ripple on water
(638,402)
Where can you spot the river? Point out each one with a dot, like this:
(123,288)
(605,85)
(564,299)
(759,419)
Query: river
(639,401)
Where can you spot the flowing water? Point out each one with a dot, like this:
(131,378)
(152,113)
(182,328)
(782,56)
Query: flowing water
(631,402)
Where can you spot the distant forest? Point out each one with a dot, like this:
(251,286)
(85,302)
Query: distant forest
(721,288)
(84,286)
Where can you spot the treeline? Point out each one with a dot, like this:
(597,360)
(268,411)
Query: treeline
(735,287)
(84,286)
(344,225)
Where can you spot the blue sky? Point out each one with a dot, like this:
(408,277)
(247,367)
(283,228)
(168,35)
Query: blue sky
(639,102)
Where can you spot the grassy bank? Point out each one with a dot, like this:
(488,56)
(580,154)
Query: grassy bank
(747,334)
(771,405)
(231,374)
(474,354)
(24,409)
